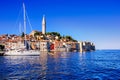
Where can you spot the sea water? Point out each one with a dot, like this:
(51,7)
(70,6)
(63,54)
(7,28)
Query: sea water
(98,65)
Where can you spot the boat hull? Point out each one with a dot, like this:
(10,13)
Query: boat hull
(22,53)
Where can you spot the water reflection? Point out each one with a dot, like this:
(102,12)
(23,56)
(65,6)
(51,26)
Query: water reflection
(43,62)
(61,65)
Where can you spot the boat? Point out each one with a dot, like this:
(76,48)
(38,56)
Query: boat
(1,53)
(22,53)
(23,49)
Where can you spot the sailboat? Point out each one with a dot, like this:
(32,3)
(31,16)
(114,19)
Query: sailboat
(23,49)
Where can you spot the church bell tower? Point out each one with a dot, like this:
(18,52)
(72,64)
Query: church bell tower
(43,25)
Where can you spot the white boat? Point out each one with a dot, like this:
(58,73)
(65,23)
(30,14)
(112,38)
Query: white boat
(22,53)
(22,50)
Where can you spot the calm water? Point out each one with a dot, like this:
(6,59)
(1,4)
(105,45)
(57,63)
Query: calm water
(98,65)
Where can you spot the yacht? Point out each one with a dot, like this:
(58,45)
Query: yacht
(22,50)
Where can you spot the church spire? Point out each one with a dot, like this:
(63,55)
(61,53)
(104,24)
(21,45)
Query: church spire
(43,25)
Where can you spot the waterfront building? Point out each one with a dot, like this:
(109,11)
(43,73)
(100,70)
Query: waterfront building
(86,46)
(68,46)
(35,45)
(59,46)
(44,45)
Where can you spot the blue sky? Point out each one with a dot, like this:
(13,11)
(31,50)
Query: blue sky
(97,21)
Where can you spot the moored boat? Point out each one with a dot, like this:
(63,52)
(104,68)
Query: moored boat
(22,53)
(23,49)
(2,53)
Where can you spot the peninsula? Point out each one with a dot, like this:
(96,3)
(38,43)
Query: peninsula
(45,41)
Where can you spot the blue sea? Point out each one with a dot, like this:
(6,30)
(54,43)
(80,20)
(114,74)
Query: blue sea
(98,65)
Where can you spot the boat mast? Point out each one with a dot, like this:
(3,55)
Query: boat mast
(20,31)
(24,17)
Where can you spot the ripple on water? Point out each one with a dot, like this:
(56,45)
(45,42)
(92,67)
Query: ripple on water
(97,65)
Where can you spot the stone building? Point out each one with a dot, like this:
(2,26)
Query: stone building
(44,45)
(86,46)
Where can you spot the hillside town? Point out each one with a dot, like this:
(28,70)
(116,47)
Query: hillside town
(45,41)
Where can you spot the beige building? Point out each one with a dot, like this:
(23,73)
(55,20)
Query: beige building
(44,45)
(86,46)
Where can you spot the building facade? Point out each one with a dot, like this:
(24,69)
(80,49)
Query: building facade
(44,46)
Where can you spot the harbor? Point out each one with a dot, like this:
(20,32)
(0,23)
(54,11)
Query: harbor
(41,41)
(59,40)
(97,65)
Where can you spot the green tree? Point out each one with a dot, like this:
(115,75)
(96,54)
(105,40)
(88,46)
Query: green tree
(36,34)
(2,47)
(69,37)
(53,33)
(23,34)
(48,33)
